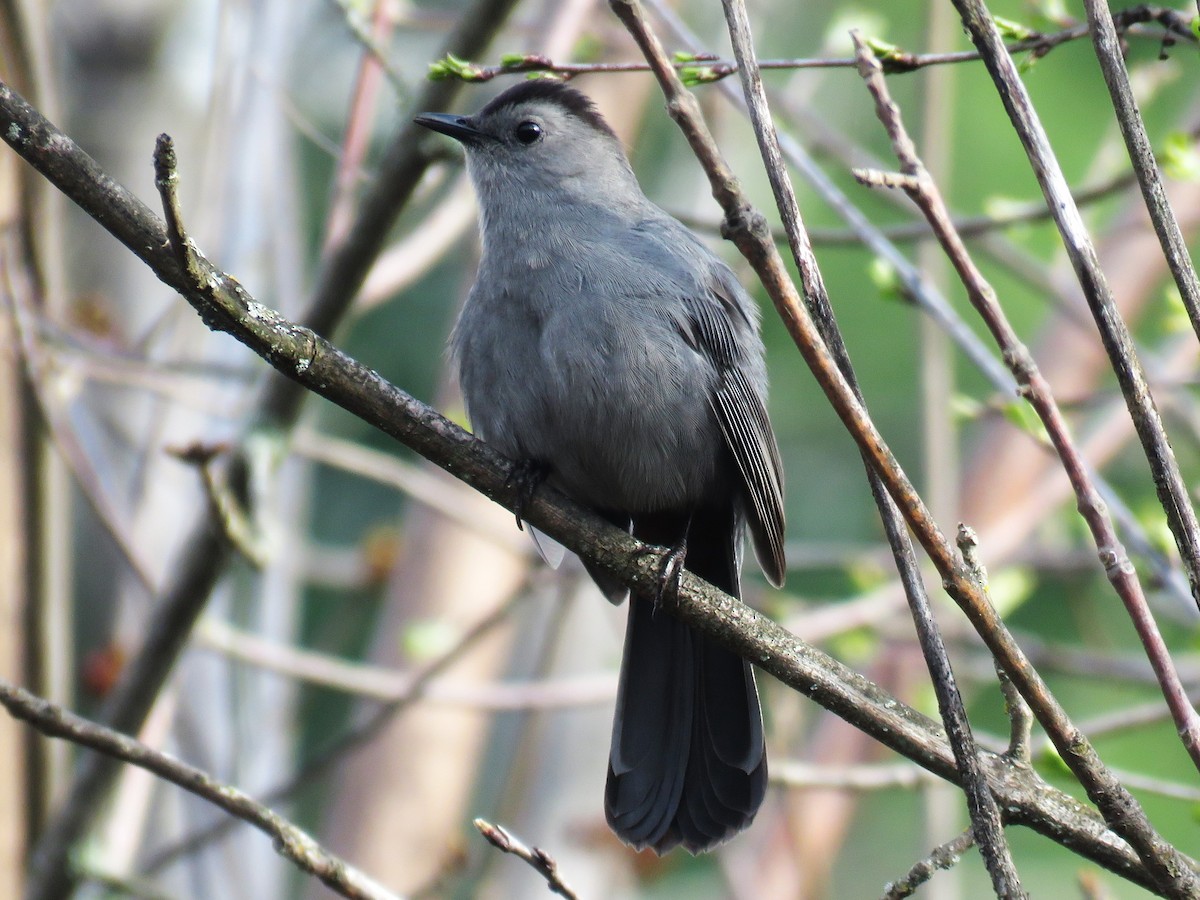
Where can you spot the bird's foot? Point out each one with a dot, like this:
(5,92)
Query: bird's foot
(524,480)
(670,576)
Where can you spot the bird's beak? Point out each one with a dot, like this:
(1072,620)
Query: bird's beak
(461,128)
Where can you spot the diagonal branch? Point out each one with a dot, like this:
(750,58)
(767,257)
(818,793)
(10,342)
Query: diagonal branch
(1108,50)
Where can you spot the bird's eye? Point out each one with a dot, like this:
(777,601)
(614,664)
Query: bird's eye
(528,132)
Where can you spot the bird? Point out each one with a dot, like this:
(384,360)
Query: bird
(604,346)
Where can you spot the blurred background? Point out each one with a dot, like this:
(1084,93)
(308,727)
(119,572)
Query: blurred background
(385,658)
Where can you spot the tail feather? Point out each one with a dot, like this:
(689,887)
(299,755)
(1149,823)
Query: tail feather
(688,763)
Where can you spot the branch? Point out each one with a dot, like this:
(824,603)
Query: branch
(1106,41)
(943,857)
(337,747)
(703,68)
(288,840)
(1020,717)
(747,228)
(539,860)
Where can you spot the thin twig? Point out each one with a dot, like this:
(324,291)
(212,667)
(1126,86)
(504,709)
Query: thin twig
(973,226)
(1106,41)
(916,181)
(703,68)
(985,814)
(798,775)
(386,684)
(943,857)
(358,734)
(230,512)
(539,860)
(1020,717)
(748,230)
(288,840)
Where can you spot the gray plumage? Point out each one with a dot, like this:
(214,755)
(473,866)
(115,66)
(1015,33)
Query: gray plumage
(603,341)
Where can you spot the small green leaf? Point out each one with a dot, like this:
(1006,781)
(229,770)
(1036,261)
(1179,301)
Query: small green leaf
(450,66)
(694,75)
(1180,158)
(1051,759)
(1028,61)
(882,48)
(1022,415)
(1009,588)
(512,59)
(883,275)
(1013,31)
(965,408)
(429,638)
(683,56)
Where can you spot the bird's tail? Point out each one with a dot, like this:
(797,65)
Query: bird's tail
(688,763)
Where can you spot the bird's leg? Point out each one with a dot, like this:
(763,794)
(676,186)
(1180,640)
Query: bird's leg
(524,479)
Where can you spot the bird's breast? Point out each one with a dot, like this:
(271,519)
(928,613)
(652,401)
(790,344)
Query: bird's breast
(610,397)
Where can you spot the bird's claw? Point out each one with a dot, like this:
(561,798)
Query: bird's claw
(670,576)
(524,479)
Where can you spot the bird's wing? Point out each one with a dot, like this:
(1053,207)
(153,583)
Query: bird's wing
(712,318)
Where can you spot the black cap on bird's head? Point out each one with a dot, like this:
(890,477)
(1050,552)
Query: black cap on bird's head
(548,90)
(536,141)
(538,91)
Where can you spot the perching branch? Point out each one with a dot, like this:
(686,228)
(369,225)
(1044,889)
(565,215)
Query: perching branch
(747,228)
(288,840)
(317,365)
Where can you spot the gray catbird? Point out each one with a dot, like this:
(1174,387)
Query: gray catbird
(604,345)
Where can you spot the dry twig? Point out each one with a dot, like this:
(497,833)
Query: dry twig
(289,841)
(539,860)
